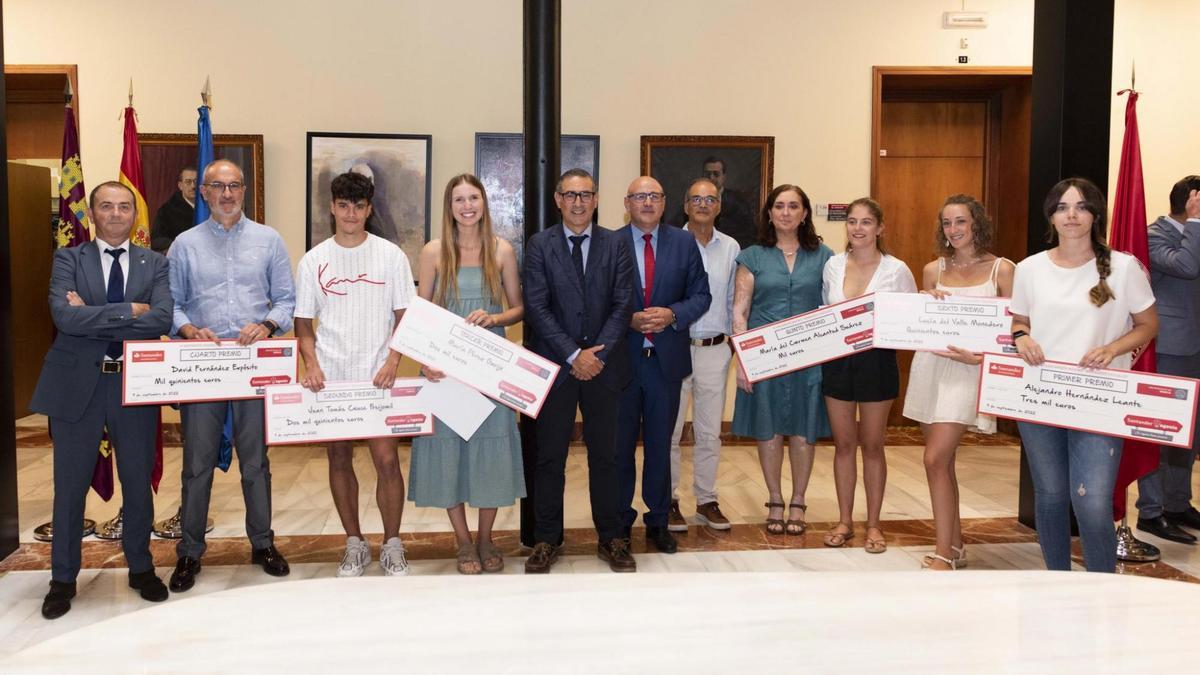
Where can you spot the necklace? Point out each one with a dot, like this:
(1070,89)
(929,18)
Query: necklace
(954,262)
(788,253)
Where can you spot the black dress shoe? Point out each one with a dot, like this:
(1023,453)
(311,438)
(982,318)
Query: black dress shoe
(1160,527)
(1189,518)
(616,553)
(661,539)
(148,585)
(58,600)
(272,561)
(184,576)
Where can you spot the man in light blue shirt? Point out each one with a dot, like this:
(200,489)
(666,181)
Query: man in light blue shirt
(710,360)
(231,279)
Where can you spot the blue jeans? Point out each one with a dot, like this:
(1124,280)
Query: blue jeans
(1073,469)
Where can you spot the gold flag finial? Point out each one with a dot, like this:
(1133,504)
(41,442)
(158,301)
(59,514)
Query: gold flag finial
(131,92)
(206,93)
(1133,75)
(68,93)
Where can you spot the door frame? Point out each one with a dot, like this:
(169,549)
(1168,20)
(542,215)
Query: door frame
(951,78)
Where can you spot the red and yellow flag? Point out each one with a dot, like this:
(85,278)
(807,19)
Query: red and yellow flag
(131,177)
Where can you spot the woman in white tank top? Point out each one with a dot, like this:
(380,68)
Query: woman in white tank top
(943,386)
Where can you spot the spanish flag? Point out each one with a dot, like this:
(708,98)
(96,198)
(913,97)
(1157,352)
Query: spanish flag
(131,177)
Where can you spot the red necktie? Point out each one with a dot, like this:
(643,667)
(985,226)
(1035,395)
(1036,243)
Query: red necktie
(649,255)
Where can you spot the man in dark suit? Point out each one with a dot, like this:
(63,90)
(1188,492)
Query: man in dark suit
(101,293)
(176,214)
(672,293)
(578,287)
(1165,496)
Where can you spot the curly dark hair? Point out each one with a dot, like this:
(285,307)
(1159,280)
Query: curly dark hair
(806,233)
(981,226)
(353,187)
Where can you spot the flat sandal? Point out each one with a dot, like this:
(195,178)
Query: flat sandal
(492,558)
(468,554)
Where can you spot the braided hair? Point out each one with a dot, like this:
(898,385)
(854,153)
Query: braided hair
(1093,203)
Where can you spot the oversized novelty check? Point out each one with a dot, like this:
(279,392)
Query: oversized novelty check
(344,411)
(188,371)
(1142,406)
(477,357)
(804,340)
(921,322)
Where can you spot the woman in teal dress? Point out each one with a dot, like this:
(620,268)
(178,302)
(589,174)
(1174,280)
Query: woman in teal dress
(778,279)
(474,274)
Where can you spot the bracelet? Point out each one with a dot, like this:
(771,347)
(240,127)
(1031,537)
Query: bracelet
(1019,334)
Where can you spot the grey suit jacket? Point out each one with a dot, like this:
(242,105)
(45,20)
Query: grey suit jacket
(72,366)
(1175,278)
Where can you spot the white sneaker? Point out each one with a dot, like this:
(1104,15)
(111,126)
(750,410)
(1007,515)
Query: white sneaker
(391,558)
(356,558)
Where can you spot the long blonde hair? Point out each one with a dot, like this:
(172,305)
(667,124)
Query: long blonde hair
(448,262)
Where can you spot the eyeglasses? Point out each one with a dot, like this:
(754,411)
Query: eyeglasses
(583,196)
(221,187)
(652,197)
(707,200)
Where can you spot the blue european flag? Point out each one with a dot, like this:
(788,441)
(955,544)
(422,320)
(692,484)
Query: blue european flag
(205,157)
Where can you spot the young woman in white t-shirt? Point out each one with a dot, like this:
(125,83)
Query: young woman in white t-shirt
(1083,303)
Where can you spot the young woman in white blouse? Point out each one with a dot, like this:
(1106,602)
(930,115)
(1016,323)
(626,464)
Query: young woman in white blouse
(1083,303)
(859,389)
(943,386)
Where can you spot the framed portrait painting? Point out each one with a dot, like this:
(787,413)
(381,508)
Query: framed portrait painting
(399,165)
(500,166)
(165,156)
(741,166)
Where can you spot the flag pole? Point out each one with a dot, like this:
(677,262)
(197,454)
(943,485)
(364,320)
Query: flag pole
(45,531)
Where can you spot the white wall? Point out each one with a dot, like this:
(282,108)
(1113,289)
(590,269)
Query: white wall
(798,71)
(1160,37)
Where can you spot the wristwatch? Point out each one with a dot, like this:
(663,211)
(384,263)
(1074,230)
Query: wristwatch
(271,326)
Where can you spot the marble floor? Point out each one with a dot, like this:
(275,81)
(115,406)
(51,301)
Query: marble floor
(310,534)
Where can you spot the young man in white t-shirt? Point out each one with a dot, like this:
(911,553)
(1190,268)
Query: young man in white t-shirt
(358,286)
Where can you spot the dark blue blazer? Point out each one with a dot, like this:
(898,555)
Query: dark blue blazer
(72,367)
(680,284)
(566,315)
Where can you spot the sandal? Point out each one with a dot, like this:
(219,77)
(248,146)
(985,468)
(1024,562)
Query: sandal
(960,556)
(927,562)
(874,544)
(796,527)
(468,559)
(493,559)
(774,525)
(836,539)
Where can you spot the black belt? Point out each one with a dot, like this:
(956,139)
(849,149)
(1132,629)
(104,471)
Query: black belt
(647,352)
(111,367)
(708,342)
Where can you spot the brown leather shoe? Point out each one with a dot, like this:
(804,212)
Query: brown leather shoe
(675,519)
(616,553)
(543,557)
(710,514)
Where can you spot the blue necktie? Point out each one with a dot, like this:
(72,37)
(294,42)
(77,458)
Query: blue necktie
(577,253)
(116,293)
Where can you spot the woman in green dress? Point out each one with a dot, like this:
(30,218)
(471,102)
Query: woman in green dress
(474,274)
(777,279)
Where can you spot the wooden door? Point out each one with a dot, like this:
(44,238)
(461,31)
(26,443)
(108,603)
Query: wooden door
(928,151)
(33,249)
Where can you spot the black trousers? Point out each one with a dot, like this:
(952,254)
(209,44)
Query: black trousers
(555,424)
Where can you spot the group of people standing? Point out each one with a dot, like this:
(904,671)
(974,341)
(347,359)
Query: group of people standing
(638,318)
